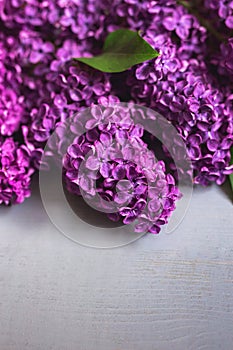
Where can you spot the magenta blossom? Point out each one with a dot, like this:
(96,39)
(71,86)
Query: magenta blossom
(15,172)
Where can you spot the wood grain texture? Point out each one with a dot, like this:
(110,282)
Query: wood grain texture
(159,293)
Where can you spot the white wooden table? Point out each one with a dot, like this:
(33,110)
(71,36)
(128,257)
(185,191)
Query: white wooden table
(166,292)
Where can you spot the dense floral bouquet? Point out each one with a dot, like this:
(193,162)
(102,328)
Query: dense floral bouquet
(175,57)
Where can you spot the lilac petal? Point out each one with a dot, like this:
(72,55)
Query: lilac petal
(222,10)
(60,101)
(72,174)
(166,99)
(41,135)
(100,150)
(229,22)
(109,183)
(212,145)
(153,192)
(43,111)
(77,128)
(73,81)
(35,57)
(161,184)
(119,172)
(194,105)
(143,72)
(96,112)
(170,179)
(148,160)
(219,164)
(91,123)
(75,151)
(227,143)
(92,135)
(125,211)
(140,189)
(203,126)
(122,198)
(168,204)
(194,152)
(62,80)
(76,163)
(221,180)
(206,111)
(85,148)
(87,185)
(105,138)
(142,227)
(154,229)
(219,155)
(76,95)
(216,126)
(93,163)
(55,65)
(87,93)
(48,47)
(138,131)
(5,162)
(182,32)
(129,219)
(139,205)
(105,170)
(99,89)
(154,205)
(187,21)
(195,140)
(228,170)
(107,113)
(177,103)
(199,90)
(121,136)
(124,185)
(169,23)
(173,65)
(48,123)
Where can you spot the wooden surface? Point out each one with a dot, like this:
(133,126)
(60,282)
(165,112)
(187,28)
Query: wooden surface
(159,293)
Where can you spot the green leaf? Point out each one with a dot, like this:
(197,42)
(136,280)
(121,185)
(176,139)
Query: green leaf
(231,175)
(122,50)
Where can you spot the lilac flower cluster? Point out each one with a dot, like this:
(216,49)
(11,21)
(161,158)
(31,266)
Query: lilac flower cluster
(11,101)
(223,9)
(39,84)
(113,169)
(15,172)
(69,89)
(41,87)
(224,61)
(179,85)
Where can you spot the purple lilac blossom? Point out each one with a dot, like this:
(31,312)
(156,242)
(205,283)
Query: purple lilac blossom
(15,172)
(145,196)
(11,99)
(223,9)
(68,90)
(179,86)
(224,60)
(41,86)
(11,111)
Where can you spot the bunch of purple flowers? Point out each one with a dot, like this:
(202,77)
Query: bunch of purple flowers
(112,168)
(41,86)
